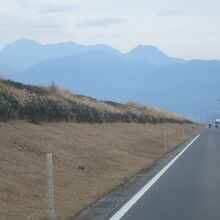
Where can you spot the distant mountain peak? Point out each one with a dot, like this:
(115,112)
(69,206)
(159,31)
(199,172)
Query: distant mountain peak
(143,46)
(147,50)
(150,54)
(22,42)
(24,53)
(27,43)
(25,40)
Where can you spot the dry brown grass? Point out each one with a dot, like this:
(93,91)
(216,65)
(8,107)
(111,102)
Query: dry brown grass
(154,112)
(111,153)
(32,103)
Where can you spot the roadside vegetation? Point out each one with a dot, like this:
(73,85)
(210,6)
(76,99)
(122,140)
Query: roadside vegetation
(38,103)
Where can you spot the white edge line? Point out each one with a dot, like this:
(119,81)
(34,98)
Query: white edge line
(119,214)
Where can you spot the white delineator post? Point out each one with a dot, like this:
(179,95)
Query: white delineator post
(50,186)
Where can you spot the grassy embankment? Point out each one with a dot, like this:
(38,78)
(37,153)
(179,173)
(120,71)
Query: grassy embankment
(109,152)
(35,104)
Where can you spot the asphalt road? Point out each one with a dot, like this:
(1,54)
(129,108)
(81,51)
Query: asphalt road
(189,189)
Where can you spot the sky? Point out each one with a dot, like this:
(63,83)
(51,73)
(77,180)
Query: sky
(181,28)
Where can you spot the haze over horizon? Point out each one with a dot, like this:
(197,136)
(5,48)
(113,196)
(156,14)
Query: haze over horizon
(186,29)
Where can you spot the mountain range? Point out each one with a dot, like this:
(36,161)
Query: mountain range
(145,74)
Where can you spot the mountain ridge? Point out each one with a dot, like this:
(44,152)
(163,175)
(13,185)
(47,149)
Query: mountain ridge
(23,54)
(152,55)
(187,87)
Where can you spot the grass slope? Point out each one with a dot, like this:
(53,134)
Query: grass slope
(110,152)
(34,103)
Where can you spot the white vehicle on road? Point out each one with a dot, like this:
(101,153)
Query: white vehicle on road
(217,123)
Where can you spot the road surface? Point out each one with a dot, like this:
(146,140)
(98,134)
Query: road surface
(188,190)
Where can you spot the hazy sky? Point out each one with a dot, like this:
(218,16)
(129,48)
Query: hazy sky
(182,28)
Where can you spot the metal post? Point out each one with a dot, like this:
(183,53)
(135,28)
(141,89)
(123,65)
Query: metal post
(50,187)
(165,142)
(183,133)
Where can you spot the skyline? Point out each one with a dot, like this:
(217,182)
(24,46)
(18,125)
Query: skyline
(184,28)
(122,52)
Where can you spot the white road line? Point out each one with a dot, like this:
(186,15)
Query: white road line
(119,214)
